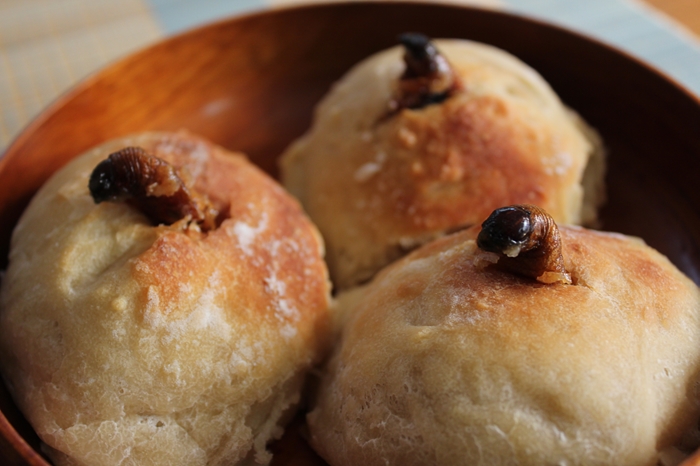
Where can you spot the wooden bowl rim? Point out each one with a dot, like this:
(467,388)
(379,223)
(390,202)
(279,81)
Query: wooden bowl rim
(88,80)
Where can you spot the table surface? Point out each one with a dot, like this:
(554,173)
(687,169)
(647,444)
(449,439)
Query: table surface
(46,46)
(686,12)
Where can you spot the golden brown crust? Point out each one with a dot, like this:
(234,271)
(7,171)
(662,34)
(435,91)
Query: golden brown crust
(455,162)
(444,362)
(378,187)
(163,345)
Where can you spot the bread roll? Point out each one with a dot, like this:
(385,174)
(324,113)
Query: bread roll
(378,182)
(446,361)
(133,344)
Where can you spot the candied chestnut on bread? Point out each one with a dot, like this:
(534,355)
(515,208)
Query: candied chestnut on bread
(518,343)
(163,302)
(425,139)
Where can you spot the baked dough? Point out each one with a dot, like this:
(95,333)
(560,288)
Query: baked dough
(377,186)
(445,361)
(125,343)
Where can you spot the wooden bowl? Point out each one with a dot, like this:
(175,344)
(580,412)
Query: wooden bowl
(250,84)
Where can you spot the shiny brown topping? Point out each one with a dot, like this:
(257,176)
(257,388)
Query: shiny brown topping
(527,242)
(152,186)
(428,78)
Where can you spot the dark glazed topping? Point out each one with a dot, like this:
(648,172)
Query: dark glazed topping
(421,57)
(428,78)
(152,186)
(527,242)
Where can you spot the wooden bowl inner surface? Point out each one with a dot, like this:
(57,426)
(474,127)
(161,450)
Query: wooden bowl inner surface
(250,84)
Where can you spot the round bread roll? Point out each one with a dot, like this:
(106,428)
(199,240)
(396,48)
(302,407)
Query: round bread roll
(379,180)
(127,343)
(446,359)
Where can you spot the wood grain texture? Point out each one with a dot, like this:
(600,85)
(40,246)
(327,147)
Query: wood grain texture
(250,84)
